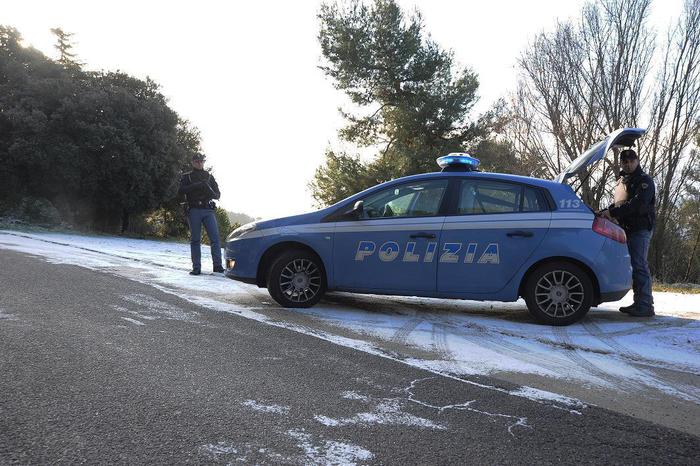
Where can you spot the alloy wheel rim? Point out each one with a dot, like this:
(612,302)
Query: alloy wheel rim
(300,280)
(559,294)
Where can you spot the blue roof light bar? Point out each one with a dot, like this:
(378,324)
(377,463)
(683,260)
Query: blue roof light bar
(458,159)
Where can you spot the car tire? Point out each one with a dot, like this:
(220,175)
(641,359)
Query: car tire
(296,279)
(558,293)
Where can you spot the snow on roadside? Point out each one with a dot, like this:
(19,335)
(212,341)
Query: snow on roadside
(263,408)
(328,451)
(607,349)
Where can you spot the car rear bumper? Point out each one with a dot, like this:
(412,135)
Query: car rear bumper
(613,295)
(613,270)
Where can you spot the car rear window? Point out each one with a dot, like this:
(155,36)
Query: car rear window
(534,201)
(498,197)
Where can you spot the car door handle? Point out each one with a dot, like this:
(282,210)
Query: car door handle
(524,234)
(423,235)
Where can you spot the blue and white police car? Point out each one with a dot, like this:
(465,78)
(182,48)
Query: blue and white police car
(459,233)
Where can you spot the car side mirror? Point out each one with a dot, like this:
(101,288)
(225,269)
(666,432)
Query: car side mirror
(357,210)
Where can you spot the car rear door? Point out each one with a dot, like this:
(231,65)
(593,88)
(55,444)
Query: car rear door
(392,246)
(623,137)
(496,227)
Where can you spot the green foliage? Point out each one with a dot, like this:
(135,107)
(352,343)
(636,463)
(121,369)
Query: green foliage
(39,210)
(224,225)
(239,218)
(412,100)
(163,223)
(497,156)
(101,146)
(341,176)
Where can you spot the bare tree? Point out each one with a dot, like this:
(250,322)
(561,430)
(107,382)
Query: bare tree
(675,120)
(581,82)
(590,77)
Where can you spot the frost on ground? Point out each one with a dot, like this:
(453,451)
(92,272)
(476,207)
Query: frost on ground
(328,451)
(263,408)
(133,321)
(160,309)
(606,351)
(385,411)
(6,316)
(219,449)
(536,394)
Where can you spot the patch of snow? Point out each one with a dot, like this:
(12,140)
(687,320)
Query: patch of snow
(537,394)
(161,308)
(349,395)
(137,314)
(218,449)
(133,321)
(275,409)
(327,421)
(386,411)
(329,451)
(6,316)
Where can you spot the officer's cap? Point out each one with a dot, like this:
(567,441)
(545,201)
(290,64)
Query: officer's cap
(628,154)
(197,157)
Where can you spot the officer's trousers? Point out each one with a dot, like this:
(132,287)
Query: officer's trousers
(638,246)
(196,217)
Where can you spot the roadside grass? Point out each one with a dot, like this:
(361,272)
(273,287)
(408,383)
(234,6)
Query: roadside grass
(684,288)
(25,227)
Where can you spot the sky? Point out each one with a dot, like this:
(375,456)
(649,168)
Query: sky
(247,75)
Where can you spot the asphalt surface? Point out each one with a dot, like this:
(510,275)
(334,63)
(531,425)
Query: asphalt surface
(95,368)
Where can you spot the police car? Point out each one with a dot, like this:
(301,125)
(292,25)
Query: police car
(459,233)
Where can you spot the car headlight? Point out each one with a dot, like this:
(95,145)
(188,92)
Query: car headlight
(240,231)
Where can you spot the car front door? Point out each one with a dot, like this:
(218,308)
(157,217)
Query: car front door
(392,246)
(496,228)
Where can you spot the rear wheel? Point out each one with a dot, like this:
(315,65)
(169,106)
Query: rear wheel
(296,279)
(558,293)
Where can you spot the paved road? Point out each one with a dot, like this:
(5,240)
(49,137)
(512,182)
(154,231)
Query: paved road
(98,368)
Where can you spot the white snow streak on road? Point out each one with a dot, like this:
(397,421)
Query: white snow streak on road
(607,349)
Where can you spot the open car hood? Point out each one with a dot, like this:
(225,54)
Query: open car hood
(624,137)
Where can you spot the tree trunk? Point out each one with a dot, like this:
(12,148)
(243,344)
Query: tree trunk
(686,279)
(125,221)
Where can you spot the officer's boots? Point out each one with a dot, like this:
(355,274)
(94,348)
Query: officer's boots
(628,309)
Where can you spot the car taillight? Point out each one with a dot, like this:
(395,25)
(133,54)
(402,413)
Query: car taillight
(608,229)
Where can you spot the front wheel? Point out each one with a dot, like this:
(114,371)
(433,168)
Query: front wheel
(558,293)
(296,279)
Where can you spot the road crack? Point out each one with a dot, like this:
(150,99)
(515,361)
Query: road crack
(517,421)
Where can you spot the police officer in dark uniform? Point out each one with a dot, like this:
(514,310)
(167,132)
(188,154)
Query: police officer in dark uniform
(200,188)
(637,216)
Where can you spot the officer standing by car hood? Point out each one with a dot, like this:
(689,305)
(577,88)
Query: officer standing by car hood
(200,188)
(637,216)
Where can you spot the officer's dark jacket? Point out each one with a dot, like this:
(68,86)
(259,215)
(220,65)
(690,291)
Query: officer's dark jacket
(199,187)
(638,212)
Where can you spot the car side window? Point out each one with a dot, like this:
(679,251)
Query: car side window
(418,199)
(498,197)
(534,201)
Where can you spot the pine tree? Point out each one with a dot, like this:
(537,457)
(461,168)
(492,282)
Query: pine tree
(412,100)
(64,45)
